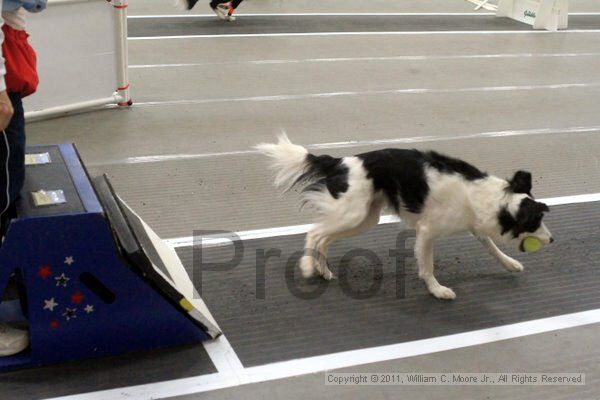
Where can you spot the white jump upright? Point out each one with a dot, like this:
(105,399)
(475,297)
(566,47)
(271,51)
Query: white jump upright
(123,93)
(82,56)
(541,14)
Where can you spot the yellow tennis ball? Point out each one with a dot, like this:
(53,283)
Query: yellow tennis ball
(531,244)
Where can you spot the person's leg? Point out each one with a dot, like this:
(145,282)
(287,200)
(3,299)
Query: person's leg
(5,202)
(233,3)
(12,157)
(5,218)
(224,8)
(4,180)
(12,177)
(186,4)
(16,140)
(220,8)
(215,3)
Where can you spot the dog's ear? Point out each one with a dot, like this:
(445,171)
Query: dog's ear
(521,182)
(530,215)
(534,207)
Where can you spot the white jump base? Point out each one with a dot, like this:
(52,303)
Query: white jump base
(551,15)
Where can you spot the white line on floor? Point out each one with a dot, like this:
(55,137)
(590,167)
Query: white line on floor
(360,143)
(369,59)
(224,357)
(398,14)
(287,369)
(328,95)
(223,240)
(378,33)
(391,14)
(419,347)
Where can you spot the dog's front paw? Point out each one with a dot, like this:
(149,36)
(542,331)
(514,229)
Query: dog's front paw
(443,292)
(513,265)
(328,275)
(307,266)
(323,269)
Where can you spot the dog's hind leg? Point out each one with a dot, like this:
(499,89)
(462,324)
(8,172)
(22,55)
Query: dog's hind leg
(321,237)
(369,221)
(424,255)
(317,242)
(308,260)
(347,212)
(507,262)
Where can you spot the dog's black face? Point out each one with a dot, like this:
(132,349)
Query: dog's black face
(523,216)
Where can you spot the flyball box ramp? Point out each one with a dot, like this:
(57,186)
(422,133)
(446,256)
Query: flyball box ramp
(95,279)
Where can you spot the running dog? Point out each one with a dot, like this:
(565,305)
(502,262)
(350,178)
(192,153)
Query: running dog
(434,194)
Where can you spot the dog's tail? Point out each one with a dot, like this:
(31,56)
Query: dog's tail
(289,161)
(295,166)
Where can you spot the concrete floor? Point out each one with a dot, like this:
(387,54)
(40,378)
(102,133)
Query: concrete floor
(220,118)
(523,354)
(241,91)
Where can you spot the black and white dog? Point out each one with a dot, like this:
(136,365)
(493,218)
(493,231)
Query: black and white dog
(434,194)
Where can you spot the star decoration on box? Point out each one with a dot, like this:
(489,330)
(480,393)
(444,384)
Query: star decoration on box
(70,313)
(77,297)
(62,280)
(44,272)
(66,303)
(50,304)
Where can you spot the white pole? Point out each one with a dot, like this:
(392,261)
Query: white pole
(69,108)
(123,90)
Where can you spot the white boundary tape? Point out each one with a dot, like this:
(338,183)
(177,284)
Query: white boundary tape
(376,33)
(301,229)
(404,91)
(419,347)
(333,14)
(398,14)
(370,59)
(359,143)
